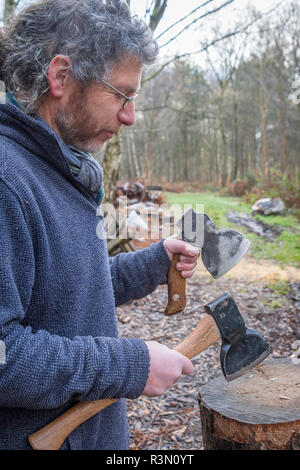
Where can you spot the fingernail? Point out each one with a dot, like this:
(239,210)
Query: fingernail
(194,252)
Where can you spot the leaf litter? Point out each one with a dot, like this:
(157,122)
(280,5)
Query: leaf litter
(172,421)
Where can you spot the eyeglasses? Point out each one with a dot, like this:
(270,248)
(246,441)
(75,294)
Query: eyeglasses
(127,99)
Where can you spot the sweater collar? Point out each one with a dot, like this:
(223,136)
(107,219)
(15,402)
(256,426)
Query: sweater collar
(38,137)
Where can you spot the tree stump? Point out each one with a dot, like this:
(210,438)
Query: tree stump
(258,411)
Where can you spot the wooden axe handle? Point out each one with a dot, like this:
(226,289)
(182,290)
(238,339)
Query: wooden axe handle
(176,288)
(52,436)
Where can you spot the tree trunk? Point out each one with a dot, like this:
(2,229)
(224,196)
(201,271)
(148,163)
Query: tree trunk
(283,128)
(185,174)
(254,155)
(263,122)
(135,161)
(236,136)
(223,136)
(218,164)
(9,8)
(147,177)
(157,13)
(258,411)
(111,163)
(224,156)
(113,149)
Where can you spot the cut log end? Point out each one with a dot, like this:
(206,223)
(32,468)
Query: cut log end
(258,411)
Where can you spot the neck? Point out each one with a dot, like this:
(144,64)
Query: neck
(46,111)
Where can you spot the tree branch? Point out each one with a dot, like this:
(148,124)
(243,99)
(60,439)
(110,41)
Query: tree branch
(182,19)
(228,35)
(157,13)
(148,8)
(195,21)
(186,54)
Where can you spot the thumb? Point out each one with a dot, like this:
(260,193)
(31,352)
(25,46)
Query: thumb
(187,365)
(179,246)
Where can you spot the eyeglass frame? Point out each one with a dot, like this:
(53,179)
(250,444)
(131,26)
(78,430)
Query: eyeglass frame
(127,99)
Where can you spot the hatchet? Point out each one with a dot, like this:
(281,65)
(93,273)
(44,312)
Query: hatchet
(221,250)
(241,350)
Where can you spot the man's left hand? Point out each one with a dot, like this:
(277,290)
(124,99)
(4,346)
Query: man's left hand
(188,255)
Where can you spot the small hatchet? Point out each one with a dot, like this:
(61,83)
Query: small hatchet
(241,350)
(221,250)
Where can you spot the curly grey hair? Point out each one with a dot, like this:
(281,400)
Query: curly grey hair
(95,34)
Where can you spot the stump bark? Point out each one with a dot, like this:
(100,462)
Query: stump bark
(258,411)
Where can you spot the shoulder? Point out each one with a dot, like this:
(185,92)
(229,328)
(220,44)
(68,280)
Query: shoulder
(14,160)
(15,173)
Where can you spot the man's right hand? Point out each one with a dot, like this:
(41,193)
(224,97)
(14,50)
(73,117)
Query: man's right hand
(166,367)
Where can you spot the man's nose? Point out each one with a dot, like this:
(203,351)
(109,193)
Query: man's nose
(127,115)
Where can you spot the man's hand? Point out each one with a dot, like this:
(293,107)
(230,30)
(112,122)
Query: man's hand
(188,258)
(166,367)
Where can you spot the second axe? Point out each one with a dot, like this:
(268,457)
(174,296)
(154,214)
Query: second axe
(221,250)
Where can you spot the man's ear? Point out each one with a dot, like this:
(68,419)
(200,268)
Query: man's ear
(59,71)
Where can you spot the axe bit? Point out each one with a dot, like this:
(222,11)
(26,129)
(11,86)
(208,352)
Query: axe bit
(242,349)
(220,250)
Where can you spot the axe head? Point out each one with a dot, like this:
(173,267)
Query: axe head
(221,250)
(242,349)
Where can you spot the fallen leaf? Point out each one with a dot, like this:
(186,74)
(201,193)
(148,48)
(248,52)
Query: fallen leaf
(180,431)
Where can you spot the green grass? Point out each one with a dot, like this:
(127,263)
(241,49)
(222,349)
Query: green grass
(282,289)
(279,287)
(285,249)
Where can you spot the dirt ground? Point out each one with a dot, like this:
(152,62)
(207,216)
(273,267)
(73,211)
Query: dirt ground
(173,421)
(262,271)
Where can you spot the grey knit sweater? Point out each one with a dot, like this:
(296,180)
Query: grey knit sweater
(58,294)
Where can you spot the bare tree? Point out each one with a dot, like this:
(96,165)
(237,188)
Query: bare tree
(113,152)
(9,8)
(227,58)
(154,13)
(189,130)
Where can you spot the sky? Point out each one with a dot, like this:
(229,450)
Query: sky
(190,40)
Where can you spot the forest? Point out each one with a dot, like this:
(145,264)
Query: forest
(223,118)
(233,119)
(217,127)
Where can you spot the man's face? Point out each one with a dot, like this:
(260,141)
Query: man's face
(91,114)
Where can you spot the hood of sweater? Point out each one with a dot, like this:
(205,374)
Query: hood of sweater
(34,134)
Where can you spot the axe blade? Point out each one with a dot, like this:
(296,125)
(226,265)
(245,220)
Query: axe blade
(242,348)
(238,359)
(221,249)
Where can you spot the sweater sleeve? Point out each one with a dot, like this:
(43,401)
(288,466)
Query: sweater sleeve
(137,274)
(39,370)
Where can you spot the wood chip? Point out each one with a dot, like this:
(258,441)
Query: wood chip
(125,320)
(172,421)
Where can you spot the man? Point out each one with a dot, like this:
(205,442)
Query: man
(72,69)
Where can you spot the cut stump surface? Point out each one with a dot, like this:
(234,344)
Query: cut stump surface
(260,410)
